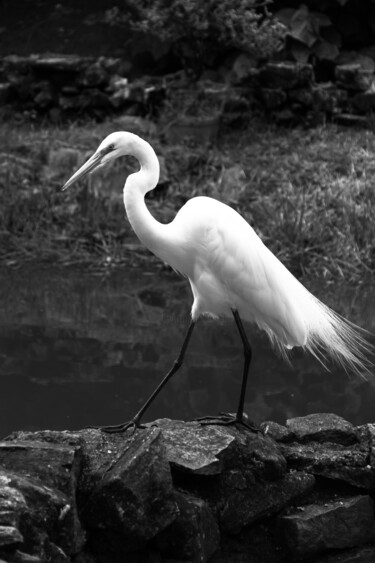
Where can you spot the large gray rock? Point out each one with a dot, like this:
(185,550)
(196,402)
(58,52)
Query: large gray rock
(348,465)
(244,503)
(287,75)
(322,427)
(178,491)
(326,445)
(55,466)
(134,500)
(194,535)
(356,555)
(10,535)
(38,513)
(353,78)
(333,525)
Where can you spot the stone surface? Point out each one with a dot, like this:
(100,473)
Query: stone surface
(328,97)
(358,555)
(276,431)
(364,101)
(12,506)
(350,120)
(178,491)
(303,96)
(287,75)
(333,525)
(56,466)
(353,77)
(5,92)
(247,504)
(194,535)
(41,512)
(322,427)
(194,448)
(273,97)
(348,465)
(134,500)
(9,535)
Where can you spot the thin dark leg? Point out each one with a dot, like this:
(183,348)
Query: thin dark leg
(225,418)
(177,364)
(247,360)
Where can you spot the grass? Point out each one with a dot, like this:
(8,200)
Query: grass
(310,195)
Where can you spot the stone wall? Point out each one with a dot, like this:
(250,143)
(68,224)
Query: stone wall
(68,86)
(177,491)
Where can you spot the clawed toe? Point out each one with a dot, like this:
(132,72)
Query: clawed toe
(227,419)
(119,428)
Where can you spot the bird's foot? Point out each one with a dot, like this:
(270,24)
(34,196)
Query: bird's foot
(227,419)
(123,427)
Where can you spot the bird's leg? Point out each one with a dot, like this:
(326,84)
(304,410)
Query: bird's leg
(135,422)
(247,360)
(226,418)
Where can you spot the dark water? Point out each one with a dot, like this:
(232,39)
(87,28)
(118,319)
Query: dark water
(78,349)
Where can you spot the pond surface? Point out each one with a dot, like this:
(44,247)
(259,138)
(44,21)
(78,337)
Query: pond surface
(78,349)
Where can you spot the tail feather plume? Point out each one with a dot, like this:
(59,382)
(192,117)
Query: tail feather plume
(331,335)
(328,336)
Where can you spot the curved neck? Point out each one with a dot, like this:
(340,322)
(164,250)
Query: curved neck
(146,227)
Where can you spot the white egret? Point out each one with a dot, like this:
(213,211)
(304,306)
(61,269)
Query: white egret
(231,273)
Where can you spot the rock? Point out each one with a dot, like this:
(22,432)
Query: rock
(301,95)
(178,491)
(327,97)
(245,504)
(56,468)
(54,465)
(273,97)
(351,120)
(69,103)
(353,77)
(145,503)
(334,525)
(21,557)
(196,448)
(9,535)
(42,513)
(6,92)
(94,75)
(365,61)
(322,427)
(194,535)
(359,555)
(348,465)
(287,75)
(55,62)
(244,68)
(95,98)
(276,431)
(364,101)
(12,506)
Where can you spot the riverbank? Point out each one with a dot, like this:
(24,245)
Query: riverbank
(308,193)
(181,491)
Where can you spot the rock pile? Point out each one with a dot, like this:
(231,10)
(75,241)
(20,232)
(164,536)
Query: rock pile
(69,85)
(179,491)
(61,86)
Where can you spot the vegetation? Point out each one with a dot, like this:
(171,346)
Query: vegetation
(199,32)
(309,194)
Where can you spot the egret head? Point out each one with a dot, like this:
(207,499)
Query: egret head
(113,146)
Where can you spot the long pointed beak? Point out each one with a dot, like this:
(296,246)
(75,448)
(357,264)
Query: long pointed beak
(93,162)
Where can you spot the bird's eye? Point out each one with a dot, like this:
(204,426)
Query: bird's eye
(111,147)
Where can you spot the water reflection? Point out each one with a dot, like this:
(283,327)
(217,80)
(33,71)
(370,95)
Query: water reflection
(78,349)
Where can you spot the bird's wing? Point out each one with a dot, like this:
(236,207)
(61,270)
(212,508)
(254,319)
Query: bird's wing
(257,284)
